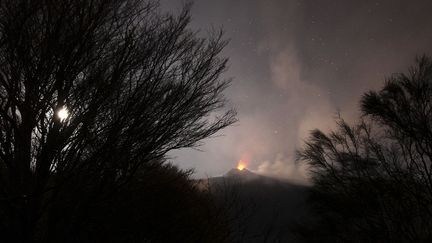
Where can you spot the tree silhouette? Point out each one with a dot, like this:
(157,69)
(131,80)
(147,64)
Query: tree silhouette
(92,92)
(372,180)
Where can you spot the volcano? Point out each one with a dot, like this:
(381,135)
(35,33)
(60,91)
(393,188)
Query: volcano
(243,173)
(264,207)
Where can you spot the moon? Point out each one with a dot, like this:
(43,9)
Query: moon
(62,114)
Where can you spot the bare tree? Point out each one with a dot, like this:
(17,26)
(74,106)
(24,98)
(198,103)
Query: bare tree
(372,181)
(94,90)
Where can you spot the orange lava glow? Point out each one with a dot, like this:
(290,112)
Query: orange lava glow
(241,165)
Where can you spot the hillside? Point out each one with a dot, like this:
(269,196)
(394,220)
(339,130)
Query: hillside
(262,208)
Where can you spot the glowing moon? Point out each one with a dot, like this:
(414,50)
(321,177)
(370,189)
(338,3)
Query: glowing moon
(63,114)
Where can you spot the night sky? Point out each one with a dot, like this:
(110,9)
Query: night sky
(294,65)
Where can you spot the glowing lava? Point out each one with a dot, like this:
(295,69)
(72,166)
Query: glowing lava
(241,165)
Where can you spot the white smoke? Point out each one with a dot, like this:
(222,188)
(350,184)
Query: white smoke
(308,105)
(284,167)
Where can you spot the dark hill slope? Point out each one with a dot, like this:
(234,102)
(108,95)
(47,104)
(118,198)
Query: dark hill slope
(262,208)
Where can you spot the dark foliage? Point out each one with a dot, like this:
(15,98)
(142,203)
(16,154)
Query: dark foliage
(372,181)
(136,84)
(160,204)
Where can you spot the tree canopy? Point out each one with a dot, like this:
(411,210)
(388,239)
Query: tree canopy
(92,91)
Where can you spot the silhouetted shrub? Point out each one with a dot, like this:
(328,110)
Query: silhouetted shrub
(160,204)
(372,181)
